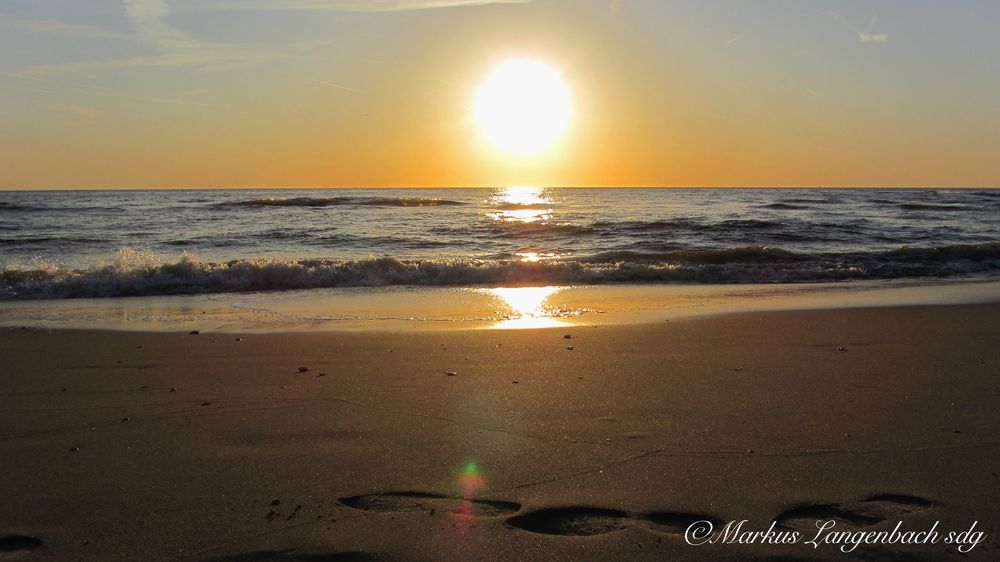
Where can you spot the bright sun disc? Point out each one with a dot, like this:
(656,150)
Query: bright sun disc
(523,107)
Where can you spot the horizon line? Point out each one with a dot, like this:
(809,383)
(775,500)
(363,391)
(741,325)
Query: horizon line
(274,188)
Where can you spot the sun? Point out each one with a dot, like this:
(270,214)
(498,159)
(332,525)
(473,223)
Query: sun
(523,107)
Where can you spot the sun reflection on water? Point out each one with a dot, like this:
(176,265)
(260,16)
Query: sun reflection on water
(527,307)
(523,204)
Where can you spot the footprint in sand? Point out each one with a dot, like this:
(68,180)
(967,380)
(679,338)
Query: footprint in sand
(571,521)
(392,502)
(867,512)
(805,517)
(895,505)
(397,502)
(588,521)
(18,543)
(678,523)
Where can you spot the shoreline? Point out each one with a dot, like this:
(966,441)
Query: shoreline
(409,309)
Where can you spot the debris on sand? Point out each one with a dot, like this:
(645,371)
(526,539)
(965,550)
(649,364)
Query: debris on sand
(451,373)
(841,348)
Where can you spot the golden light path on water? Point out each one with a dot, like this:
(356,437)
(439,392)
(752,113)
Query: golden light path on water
(527,307)
(525,204)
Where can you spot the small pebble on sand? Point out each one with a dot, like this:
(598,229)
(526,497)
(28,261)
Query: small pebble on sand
(193,333)
(841,348)
(569,348)
(173,389)
(303,369)
(568,336)
(451,373)
(516,381)
(74,449)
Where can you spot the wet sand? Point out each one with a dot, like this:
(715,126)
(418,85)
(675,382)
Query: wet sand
(219,446)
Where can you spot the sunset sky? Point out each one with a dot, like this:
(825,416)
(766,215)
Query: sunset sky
(299,93)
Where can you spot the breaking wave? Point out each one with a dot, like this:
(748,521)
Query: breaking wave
(137,272)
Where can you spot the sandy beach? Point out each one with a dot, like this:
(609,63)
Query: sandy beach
(503,444)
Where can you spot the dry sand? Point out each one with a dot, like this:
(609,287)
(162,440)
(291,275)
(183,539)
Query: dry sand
(142,446)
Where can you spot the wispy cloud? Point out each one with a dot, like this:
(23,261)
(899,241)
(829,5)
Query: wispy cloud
(110,93)
(82,111)
(734,39)
(63,29)
(336,85)
(865,36)
(873,37)
(149,20)
(335,5)
(157,44)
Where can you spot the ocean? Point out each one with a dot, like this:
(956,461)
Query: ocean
(69,244)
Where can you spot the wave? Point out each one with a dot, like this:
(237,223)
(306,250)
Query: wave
(37,240)
(753,224)
(512,230)
(8,206)
(137,272)
(934,207)
(784,206)
(745,254)
(689,224)
(649,226)
(341,201)
(539,228)
(810,201)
